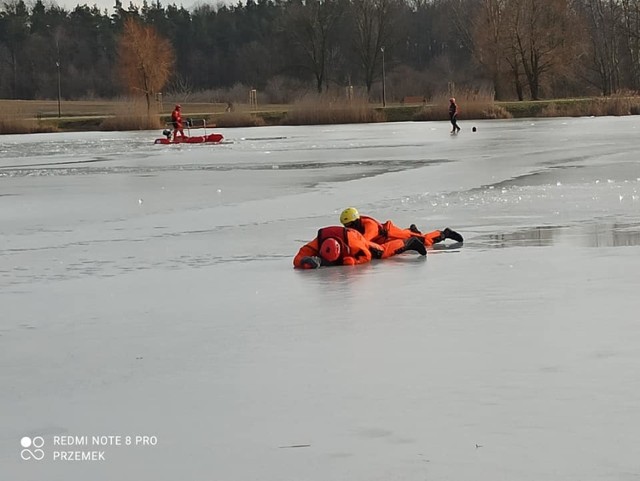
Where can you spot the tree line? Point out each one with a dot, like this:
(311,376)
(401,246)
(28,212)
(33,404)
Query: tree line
(517,49)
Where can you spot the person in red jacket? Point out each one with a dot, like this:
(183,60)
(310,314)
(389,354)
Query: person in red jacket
(339,246)
(378,232)
(176,120)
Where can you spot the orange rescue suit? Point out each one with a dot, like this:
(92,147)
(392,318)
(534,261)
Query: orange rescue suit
(176,118)
(374,231)
(355,249)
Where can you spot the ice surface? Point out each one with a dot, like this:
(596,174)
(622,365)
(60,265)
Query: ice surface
(149,290)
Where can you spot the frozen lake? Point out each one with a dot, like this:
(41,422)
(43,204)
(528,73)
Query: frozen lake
(149,291)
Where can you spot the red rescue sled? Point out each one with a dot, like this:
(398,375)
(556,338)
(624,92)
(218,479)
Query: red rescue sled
(191,139)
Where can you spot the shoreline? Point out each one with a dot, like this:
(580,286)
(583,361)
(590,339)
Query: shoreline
(86,116)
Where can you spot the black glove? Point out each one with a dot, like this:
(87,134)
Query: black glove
(311,262)
(376,253)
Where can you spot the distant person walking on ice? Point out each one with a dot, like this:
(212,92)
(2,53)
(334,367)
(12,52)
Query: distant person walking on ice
(176,120)
(453,115)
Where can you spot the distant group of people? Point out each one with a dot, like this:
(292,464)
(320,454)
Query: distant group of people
(176,117)
(362,238)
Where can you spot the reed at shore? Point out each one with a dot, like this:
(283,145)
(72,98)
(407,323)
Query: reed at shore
(14,120)
(324,109)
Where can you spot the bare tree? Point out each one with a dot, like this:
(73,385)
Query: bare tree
(604,22)
(540,35)
(489,40)
(145,60)
(311,28)
(631,18)
(373,27)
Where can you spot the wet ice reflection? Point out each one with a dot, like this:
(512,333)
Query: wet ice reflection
(589,235)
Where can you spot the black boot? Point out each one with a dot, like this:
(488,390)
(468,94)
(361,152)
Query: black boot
(415,244)
(414,229)
(451,234)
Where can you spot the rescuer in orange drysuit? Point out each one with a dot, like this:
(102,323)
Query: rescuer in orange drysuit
(339,246)
(378,232)
(176,120)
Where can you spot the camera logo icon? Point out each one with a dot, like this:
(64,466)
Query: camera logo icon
(32,448)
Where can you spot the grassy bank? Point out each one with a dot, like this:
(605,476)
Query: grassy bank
(15,119)
(42,116)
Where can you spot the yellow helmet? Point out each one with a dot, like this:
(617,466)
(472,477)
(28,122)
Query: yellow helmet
(349,215)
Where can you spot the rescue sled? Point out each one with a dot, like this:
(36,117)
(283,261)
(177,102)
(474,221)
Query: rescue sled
(168,138)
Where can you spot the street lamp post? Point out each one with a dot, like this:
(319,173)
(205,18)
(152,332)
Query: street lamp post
(56,36)
(58,68)
(384,93)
